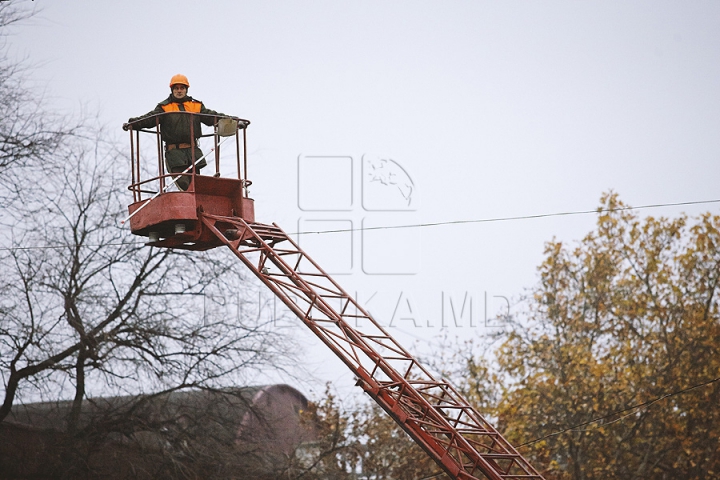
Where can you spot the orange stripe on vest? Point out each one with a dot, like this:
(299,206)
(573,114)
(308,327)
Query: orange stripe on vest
(193,107)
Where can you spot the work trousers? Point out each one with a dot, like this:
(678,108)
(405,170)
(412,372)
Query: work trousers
(178,160)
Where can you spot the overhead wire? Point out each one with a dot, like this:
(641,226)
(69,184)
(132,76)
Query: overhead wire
(434,224)
(514,218)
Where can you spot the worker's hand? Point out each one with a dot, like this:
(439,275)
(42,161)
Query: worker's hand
(126,127)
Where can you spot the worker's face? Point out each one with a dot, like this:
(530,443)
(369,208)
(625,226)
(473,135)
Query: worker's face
(179,91)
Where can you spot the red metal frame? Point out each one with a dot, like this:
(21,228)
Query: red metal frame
(431,411)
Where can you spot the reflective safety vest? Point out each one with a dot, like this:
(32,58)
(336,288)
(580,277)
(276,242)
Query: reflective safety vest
(189,106)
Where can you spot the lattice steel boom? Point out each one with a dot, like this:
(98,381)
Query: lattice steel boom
(431,411)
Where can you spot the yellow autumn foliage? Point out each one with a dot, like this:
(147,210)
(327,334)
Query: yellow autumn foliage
(627,317)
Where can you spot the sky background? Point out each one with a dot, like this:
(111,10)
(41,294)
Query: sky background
(374,113)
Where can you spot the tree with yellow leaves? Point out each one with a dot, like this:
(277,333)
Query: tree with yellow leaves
(616,373)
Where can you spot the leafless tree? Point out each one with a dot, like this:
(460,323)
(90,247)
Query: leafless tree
(29,131)
(86,309)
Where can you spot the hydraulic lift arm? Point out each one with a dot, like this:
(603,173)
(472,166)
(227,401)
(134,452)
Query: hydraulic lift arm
(431,411)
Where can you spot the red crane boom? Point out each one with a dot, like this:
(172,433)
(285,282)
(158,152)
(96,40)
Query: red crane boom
(431,411)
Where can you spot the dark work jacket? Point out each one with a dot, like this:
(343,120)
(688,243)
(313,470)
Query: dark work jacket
(176,128)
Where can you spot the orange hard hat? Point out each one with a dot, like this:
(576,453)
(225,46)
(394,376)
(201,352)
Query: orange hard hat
(179,79)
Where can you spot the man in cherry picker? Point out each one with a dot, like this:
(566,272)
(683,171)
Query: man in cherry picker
(175,129)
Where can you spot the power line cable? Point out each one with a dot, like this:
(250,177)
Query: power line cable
(618,412)
(520,217)
(436,224)
(60,247)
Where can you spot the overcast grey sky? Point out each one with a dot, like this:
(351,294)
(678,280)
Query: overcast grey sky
(481,109)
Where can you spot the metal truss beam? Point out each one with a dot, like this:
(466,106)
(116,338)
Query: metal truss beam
(431,411)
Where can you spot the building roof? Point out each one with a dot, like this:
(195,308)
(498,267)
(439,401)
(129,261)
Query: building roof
(250,427)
